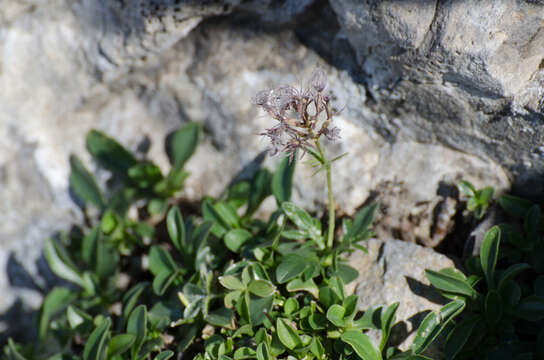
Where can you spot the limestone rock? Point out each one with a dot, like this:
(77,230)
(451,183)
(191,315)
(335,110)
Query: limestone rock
(394,271)
(461,73)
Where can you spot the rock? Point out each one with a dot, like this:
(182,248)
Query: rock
(394,271)
(466,75)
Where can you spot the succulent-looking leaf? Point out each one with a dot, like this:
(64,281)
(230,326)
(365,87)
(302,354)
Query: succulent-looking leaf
(57,300)
(109,153)
(84,185)
(493,307)
(489,253)
(388,320)
(363,219)
(164,355)
(335,314)
(448,283)
(459,336)
(515,206)
(12,352)
(282,180)
(176,229)
(290,267)
(261,288)
(287,335)
(263,353)
(160,261)
(137,326)
(162,282)
(362,344)
(235,239)
(434,323)
(231,282)
(119,344)
(510,273)
(95,347)
(183,144)
(61,268)
(298,284)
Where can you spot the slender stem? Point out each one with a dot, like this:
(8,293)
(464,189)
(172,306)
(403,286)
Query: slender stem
(327,164)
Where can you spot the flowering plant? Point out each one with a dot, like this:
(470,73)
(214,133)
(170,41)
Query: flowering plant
(303,115)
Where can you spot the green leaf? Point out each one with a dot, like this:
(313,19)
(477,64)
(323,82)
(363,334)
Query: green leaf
(287,335)
(164,355)
(448,282)
(160,261)
(290,306)
(346,273)
(290,267)
(220,317)
(515,206)
(137,326)
(145,175)
(261,288)
(258,307)
(301,285)
(466,188)
(95,348)
(282,180)
(459,336)
(183,144)
(162,281)
(485,195)
(387,322)
(317,348)
(55,302)
(489,253)
(119,344)
(220,226)
(244,353)
(493,308)
(77,317)
(510,273)
(303,221)
(12,352)
(235,238)
(335,315)
(531,308)
(259,190)
(361,343)
(434,323)
(263,353)
(371,319)
(60,264)
(360,224)
(109,153)
(83,184)
(176,229)
(231,282)
(130,299)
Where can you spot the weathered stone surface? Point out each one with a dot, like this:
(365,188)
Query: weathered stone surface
(465,74)
(394,271)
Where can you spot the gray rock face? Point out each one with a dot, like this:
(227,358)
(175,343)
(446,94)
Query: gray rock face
(465,74)
(414,88)
(394,271)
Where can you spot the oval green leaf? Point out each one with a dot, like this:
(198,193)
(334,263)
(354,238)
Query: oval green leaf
(362,344)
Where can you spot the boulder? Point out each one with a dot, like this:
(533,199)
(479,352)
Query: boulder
(394,271)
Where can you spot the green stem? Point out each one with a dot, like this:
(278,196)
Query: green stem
(327,164)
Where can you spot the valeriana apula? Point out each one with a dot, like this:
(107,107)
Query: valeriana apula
(302,117)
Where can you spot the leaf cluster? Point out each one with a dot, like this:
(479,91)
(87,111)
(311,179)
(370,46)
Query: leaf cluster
(504,291)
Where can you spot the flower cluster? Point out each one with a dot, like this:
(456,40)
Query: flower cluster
(303,115)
